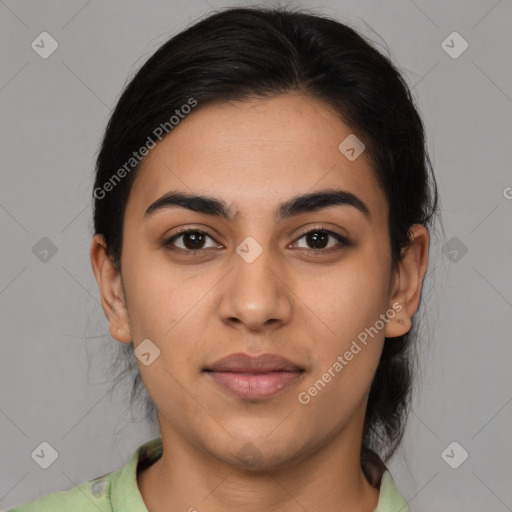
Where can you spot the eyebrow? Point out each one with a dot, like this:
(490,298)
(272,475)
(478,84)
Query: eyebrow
(299,204)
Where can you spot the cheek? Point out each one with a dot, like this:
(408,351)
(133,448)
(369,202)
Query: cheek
(171,392)
(344,302)
(170,310)
(158,296)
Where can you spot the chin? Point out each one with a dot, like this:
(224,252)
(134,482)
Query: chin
(259,453)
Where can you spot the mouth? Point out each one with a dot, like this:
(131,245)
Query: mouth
(254,378)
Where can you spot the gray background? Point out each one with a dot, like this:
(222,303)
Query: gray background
(53,113)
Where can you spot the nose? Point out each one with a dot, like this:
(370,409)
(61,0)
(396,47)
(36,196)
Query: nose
(256,294)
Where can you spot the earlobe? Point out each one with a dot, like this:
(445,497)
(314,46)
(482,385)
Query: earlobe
(111,290)
(408,281)
(398,324)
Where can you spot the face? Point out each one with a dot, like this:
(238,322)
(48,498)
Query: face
(299,285)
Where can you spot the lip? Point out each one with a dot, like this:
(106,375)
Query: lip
(241,363)
(254,378)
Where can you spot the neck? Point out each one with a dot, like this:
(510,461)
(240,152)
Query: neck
(187,479)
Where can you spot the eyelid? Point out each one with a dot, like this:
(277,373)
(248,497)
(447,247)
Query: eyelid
(319,227)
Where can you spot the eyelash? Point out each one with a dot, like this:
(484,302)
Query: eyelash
(344,242)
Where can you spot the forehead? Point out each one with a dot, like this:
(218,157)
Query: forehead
(254,154)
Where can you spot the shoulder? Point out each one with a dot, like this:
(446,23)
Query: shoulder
(390,498)
(88,496)
(114,491)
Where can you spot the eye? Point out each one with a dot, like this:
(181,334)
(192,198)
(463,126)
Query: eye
(318,237)
(193,240)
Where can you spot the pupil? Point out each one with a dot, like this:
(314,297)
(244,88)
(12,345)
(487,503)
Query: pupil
(315,236)
(196,240)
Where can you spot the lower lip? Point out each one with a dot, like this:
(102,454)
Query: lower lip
(255,386)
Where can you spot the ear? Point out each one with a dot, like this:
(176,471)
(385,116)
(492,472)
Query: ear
(408,281)
(111,291)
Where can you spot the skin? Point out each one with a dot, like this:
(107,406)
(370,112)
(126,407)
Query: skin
(196,309)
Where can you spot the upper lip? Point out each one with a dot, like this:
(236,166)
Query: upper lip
(241,363)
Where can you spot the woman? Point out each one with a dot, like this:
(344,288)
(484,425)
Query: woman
(262,202)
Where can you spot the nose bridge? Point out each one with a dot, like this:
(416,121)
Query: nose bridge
(256,292)
(253,261)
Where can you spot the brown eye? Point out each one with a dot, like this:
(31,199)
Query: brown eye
(193,240)
(317,239)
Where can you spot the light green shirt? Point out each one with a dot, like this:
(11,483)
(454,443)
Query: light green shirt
(118,492)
